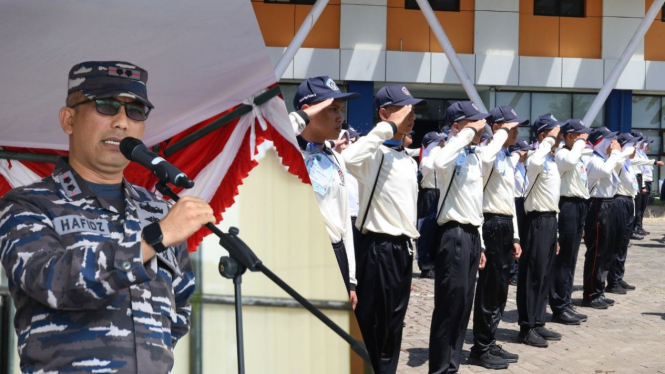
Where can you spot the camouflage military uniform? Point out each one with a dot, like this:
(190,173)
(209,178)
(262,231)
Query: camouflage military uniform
(85,301)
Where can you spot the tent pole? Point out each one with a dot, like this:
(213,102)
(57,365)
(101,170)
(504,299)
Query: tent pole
(622,63)
(299,38)
(455,62)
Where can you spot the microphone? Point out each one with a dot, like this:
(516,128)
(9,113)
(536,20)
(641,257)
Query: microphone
(134,150)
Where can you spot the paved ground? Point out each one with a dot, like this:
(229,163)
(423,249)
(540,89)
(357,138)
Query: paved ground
(626,338)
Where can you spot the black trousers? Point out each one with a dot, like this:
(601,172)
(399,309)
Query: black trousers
(639,199)
(384,269)
(600,238)
(538,252)
(492,290)
(428,200)
(645,201)
(455,272)
(624,210)
(521,230)
(342,262)
(572,216)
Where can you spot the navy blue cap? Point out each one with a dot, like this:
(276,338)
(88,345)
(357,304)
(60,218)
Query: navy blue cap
(506,114)
(638,135)
(105,79)
(520,145)
(601,133)
(445,130)
(395,94)
(626,138)
(575,125)
(485,136)
(463,110)
(544,123)
(352,132)
(648,140)
(433,137)
(318,89)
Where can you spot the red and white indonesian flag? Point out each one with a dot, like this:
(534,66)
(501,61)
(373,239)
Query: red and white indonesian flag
(204,58)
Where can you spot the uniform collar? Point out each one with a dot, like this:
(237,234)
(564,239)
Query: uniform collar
(302,144)
(73,187)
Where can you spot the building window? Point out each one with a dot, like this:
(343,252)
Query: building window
(559,8)
(303,2)
(444,5)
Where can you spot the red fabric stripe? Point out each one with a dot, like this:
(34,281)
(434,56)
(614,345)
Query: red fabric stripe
(193,158)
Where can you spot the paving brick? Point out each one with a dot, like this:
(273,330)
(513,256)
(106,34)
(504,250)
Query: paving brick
(626,338)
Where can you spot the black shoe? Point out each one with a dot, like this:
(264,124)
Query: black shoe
(427,273)
(580,316)
(617,289)
(512,282)
(497,350)
(488,360)
(531,337)
(642,232)
(566,318)
(636,236)
(596,303)
(626,286)
(607,301)
(547,334)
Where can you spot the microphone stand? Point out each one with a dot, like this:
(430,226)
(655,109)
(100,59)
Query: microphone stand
(242,258)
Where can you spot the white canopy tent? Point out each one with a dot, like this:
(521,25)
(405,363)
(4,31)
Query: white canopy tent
(202,57)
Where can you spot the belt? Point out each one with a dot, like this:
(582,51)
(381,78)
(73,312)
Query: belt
(541,214)
(602,199)
(453,224)
(504,217)
(573,199)
(623,196)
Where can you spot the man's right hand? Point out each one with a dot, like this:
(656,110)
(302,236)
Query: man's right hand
(554,132)
(479,125)
(314,109)
(186,217)
(509,125)
(613,146)
(401,119)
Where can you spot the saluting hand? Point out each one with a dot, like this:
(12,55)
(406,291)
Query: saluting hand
(483,260)
(314,109)
(660,163)
(403,119)
(558,248)
(517,251)
(613,146)
(509,125)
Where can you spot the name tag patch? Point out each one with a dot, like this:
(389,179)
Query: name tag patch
(71,224)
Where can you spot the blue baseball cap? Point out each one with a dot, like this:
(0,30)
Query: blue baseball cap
(463,110)
(544,123)
(317,89)
(505,114)
(106,79)
(575,125)
(601,133)
(638,135)
(626,138)
(395,94)
(520,145)
(433,137)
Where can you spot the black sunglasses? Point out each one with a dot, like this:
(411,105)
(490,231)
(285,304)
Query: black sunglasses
(110,107)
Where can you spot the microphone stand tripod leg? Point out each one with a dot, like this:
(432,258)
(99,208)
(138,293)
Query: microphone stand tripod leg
(237,282)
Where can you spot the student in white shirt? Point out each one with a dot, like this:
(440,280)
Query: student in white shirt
(519,153)
(388,188)
(600,229)
(318,117)
(460,219)
(624,209)
(573,208)
(539,246)
(501,238)
(428,197)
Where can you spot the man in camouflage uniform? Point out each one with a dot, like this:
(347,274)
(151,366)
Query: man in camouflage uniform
(91,293)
